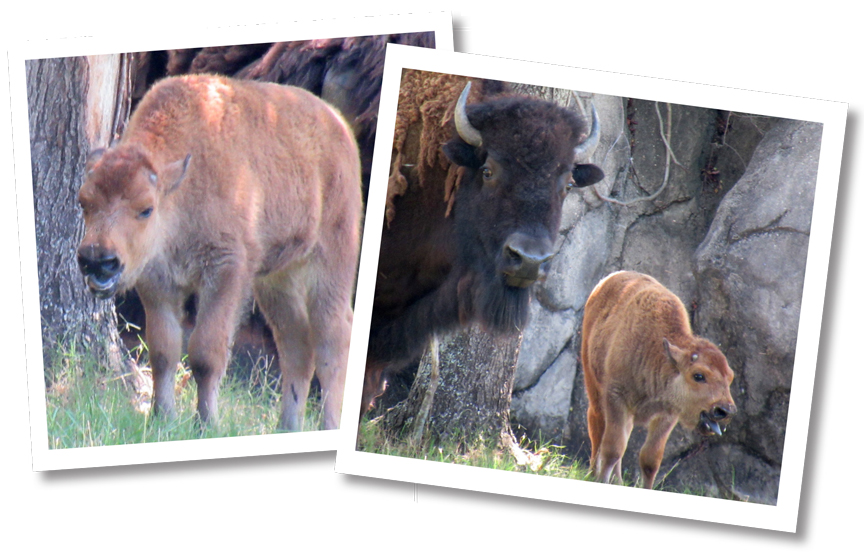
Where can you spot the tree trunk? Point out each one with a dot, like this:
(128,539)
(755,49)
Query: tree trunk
(472,400)
(74,105)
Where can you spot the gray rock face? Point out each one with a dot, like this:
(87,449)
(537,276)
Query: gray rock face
(542,343)
(751,276)
(728,233)
(547,403)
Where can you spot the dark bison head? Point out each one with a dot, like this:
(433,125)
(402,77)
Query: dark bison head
(521,156)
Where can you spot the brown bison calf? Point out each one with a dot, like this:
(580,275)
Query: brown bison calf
(644,366)
(231,189)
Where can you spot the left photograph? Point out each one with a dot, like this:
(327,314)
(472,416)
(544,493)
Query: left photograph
(197,216)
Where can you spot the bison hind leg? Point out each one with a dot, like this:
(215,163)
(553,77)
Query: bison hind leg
(332,274)
(282,301)
(596,426)
(595,415)
(619,425)
(333,338)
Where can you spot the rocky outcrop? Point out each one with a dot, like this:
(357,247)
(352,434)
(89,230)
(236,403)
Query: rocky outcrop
(721,217)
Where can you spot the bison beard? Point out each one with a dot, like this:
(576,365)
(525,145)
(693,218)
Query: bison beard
(501,309)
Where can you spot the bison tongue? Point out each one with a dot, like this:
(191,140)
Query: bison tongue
(708,426)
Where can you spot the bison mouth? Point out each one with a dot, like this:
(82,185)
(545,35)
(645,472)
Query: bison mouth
(102,287)
(708,426)
(520,281)
(101,271)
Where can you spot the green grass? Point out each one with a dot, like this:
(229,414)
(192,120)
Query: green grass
(546,458)
(89,405)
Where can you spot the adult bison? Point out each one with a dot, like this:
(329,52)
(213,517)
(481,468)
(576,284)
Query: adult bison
(470,256)
(228,189)
(643,366)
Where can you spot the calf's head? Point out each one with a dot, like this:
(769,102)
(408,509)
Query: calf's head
(120,200)
(703,392)
(520,157)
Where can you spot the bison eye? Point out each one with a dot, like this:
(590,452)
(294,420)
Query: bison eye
(487,173)
(699,378)
(146,213)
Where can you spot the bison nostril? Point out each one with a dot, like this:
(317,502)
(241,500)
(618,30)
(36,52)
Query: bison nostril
(512,254)
(520,256)
(720,413)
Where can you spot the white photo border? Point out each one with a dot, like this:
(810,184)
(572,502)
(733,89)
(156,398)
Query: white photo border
(783,516)
(44,459)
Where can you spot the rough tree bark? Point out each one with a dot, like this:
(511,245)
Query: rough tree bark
(472,401)
(74,105)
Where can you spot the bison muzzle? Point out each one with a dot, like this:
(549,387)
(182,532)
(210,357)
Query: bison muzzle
(643,366)
(229,190)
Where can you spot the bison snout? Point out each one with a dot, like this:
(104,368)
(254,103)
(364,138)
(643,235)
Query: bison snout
(101,270)
(723,411)
(709,420)
(525,259)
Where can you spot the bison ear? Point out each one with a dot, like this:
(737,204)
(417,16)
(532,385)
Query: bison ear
(174,173)
(675,354)
(94,157)
(462,154)
(586,175)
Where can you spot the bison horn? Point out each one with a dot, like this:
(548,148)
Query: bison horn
(466,131)
(585,149)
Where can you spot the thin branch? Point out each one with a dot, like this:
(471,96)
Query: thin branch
(670,156)
(668,125)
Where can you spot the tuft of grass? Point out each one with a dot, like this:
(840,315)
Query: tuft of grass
(545,458)
(89,405)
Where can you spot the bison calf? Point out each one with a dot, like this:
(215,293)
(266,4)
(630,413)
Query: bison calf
(228,189)
(644,366)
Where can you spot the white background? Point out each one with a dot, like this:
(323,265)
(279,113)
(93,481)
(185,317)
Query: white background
(296,503)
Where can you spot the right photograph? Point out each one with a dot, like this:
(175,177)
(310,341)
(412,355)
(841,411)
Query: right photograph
(589,287)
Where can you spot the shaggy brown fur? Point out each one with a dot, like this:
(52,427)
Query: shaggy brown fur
(643,366)
(230,189)
(426,101)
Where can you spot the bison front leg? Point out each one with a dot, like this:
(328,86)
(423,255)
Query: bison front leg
(164,339)
(210,342)
(373,386)
(651,454)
